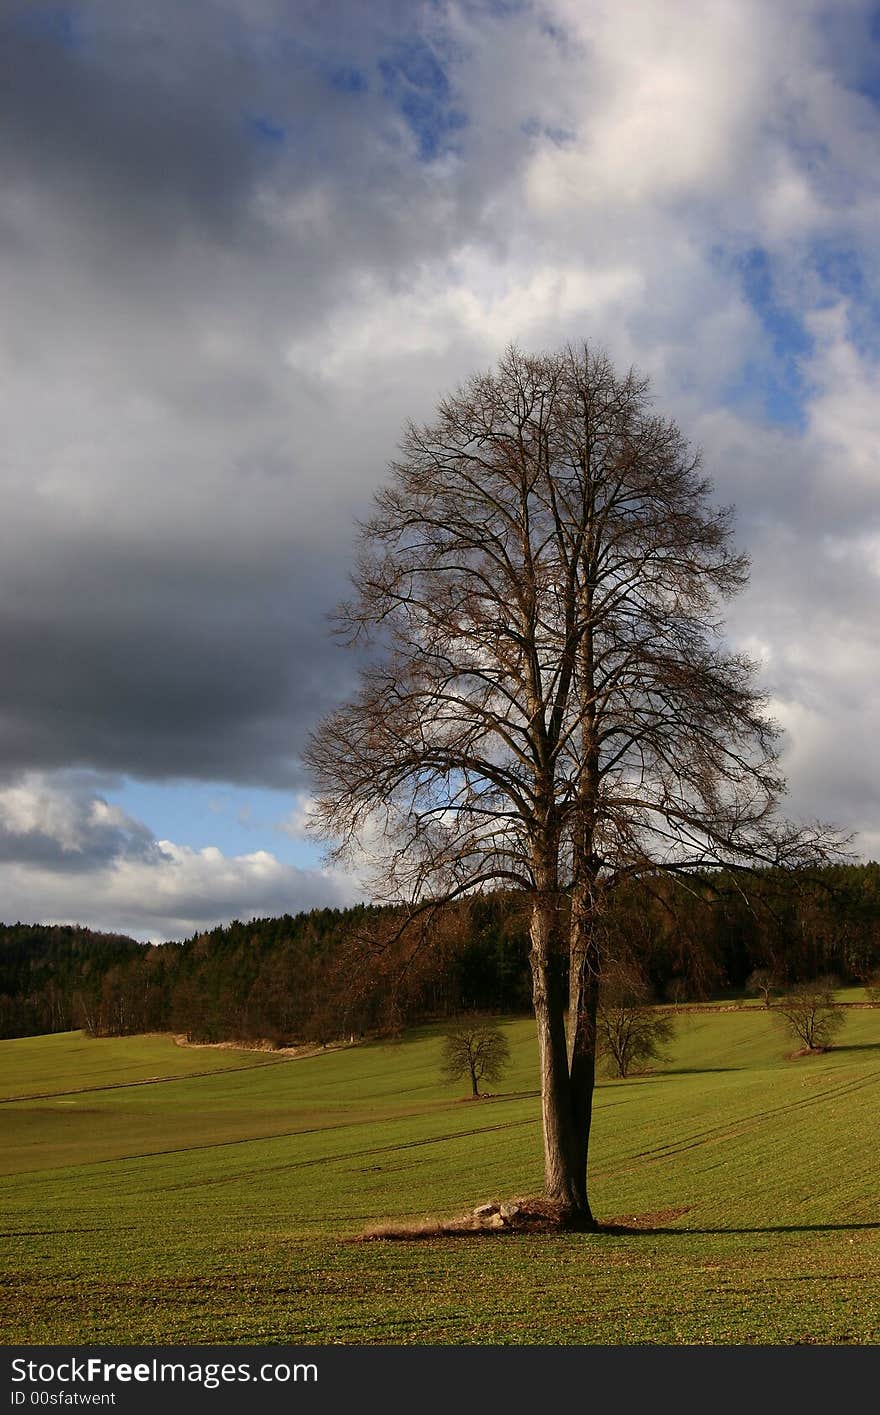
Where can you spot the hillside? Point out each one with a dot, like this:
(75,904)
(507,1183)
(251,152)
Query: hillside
(156,1194)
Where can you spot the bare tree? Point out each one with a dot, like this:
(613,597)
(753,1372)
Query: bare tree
(475,1048)
(810,1014)
(630,1030)
(550,707)
(762,982)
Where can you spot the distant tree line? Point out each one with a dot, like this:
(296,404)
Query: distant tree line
(45,968)
(334,973)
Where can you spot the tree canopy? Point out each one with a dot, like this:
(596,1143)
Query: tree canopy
(550,704)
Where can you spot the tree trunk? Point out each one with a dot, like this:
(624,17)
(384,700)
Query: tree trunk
(582,1008)
(565,1152)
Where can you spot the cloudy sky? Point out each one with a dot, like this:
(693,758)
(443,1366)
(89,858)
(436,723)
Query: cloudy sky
(242,241)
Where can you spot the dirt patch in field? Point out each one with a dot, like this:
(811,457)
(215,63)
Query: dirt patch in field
(526,1215)
(307,1049)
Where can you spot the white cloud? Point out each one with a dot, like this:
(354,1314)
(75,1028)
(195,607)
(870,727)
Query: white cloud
(668,98)
(32,807)
(844,413)
(473,301)
(129,882)
(297,821)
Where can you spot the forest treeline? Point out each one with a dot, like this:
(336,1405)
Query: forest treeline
(333,973)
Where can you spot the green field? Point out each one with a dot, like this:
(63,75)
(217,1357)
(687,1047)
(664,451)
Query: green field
(155,1194)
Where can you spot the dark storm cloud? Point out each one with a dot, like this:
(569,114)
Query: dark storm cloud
(114,130)
(150,129)
(160,674)
(186,193)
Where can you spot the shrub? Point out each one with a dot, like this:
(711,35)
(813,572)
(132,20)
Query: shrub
(810,1015)
(475,1048)
(630,1031)
(761,983)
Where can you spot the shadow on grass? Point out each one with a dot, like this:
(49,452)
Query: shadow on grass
(644,1078)
(535,1215)
(416,1232)
(855,1046)
(637,1230)
(700,1070)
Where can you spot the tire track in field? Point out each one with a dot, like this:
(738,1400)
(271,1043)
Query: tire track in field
(352,1154)
(285,1135)
(369,1153)
(738,1126)
(151,1080)
(196,1075)
(652,1155)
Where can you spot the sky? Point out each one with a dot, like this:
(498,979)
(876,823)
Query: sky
(242,242)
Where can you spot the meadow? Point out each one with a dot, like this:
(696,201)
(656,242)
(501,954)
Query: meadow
(160,1194)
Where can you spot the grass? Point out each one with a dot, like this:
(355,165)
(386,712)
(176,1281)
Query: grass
(156,1194)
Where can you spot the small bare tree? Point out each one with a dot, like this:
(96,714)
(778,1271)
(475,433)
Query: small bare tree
(550,707)
(631,1031)
(475,1048)
(810,1015)
(762,983)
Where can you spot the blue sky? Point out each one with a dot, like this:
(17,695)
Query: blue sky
(236,819)
(241,245)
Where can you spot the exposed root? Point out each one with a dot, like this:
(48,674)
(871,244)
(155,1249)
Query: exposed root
(528,1215)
